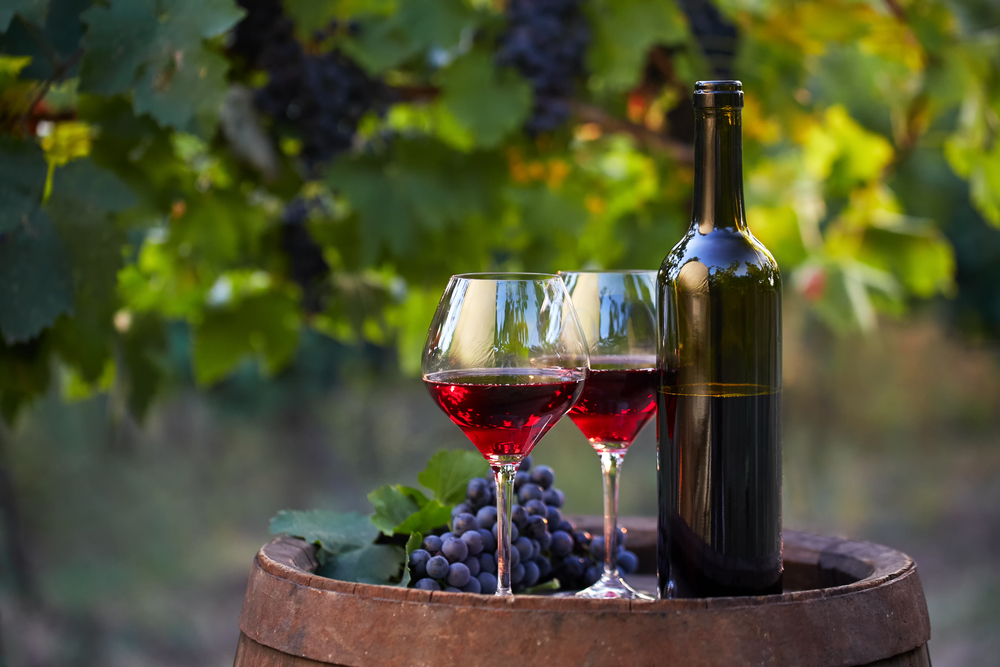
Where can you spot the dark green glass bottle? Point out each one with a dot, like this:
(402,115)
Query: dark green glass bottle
(719,357)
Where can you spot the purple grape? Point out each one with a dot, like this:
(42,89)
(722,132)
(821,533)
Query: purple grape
(472,586)
(574,566)
(489,542)
(478,492)
(460,508)
(452,589)
(627,561)
(516,574)
(455,550)
(520,479)
(536,508)
(592,575)
(474,541)
(487,582)
(566,527)
(536,527)
(472,562)
(418,563)
(514,532)
(545,541)
(531,574)
(553,497)
(553,515)
(437,567)
(562,544)
(544,567)
(458,575)
(463,523)
(487,516)
(543,476)
(427,585)
(582,538)
(529,492)
(525,464)
(523,545)
(433,543)
(518,516)
(487,563)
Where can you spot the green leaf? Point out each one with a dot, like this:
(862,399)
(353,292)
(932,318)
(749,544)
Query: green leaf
(487,101)
(24,374)
(311,15)
(31,10)
(392,507)
(36,285)
(624,31)
(143,345)
(430,516)
(188,96)
(263,325)
(412,544)
(60,38)
(22,171)
(418,25)
(163,41)
(371,564)
(402,509)
(336,532)
(448,473)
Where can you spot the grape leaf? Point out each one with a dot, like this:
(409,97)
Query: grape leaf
(412,544)
(311,15)
(371,564)
(487,101)
(190,97)
(336,532)
(402,509)
(143,344)
(31,10)
(24,374)
(392,507)
(36,285)
(448,473)
(163,39)
(624,31)
(430,516)
(417,26)
(265,325)
(60,35)
(82,197)
(22,171)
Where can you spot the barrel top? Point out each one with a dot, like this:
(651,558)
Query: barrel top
(857,601)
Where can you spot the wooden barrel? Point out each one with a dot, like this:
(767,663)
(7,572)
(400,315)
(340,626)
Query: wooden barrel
(845,603)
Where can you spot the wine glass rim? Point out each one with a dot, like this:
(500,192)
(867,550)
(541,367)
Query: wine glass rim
(612,271)
(506,276)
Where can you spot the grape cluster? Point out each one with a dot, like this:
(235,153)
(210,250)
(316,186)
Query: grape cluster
(544,545)
(320,96)
(306,265)
(545,40)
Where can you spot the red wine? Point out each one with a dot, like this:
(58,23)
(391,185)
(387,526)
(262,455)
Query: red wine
(505,411)
(724,525)
(616,403)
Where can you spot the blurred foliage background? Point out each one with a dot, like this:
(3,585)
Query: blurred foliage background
(224,227)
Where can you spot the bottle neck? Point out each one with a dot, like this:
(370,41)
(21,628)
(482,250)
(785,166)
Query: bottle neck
(718,171)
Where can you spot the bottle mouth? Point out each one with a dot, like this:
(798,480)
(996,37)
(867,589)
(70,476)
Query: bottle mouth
(715,94)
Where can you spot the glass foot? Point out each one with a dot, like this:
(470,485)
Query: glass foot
(612,586)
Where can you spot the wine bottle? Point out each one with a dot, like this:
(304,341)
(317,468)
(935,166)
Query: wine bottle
(719,363)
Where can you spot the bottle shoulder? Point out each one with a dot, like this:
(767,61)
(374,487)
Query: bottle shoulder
(721,254)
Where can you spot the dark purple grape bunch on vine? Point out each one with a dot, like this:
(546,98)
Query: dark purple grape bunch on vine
(546,41)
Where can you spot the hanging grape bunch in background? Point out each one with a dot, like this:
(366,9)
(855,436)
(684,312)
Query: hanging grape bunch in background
(544,546)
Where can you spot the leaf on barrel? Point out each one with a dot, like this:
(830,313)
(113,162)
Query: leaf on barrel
(336,532)
(371,564)
(448,473)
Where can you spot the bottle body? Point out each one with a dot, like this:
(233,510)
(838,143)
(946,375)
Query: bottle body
(719,399)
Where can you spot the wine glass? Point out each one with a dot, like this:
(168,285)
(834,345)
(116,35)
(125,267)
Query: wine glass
(618,312)
(505,359)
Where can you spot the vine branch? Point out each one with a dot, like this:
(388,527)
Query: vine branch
(606,121)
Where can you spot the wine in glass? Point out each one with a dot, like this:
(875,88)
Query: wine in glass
(618,312)
(505,359)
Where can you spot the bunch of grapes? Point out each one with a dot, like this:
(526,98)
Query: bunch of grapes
(321,96)
(546,40)
(544,545)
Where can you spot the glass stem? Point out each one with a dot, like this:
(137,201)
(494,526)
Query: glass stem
(503,473)
(611,462)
